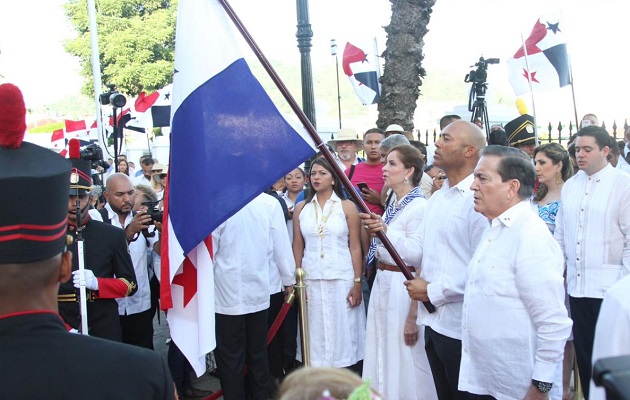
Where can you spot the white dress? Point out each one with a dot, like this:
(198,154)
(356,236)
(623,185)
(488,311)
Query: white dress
(337,331)
(394,369)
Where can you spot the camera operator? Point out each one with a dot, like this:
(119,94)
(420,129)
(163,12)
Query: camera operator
(135,311)
(108,268)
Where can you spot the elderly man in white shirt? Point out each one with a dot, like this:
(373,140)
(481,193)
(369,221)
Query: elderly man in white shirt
(593,229)
(244,246)
(514,324)
(447,239)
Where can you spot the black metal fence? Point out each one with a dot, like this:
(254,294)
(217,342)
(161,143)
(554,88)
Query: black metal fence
(558,134)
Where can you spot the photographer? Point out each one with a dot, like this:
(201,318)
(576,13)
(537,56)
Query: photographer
(108,268)
(135,311)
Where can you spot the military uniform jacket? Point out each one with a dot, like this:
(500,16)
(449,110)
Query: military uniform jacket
(107,255)
(42,360)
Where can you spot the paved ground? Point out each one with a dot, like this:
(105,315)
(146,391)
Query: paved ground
(161,334)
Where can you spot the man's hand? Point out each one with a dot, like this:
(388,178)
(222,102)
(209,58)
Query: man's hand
(90,280)
(140,221)
(534,394)
(417,289)
(438,181)
(371,196)
(355,295)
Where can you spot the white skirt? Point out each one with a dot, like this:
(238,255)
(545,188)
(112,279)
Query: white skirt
(336,330)
(394,369)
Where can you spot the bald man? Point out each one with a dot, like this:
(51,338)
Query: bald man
(136,315)
(447,239)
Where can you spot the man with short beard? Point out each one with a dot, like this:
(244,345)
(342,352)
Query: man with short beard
(135,311)
(346,143)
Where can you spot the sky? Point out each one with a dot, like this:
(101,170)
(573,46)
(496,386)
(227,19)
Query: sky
(32,33)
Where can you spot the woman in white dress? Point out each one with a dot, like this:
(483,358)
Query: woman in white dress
(326,244)
(395,360)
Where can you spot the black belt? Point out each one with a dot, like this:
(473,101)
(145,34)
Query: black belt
(74,297)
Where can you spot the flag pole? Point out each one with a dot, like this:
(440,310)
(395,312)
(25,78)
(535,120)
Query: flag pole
(531,90)
(577,124)
(96,73)
(318,141)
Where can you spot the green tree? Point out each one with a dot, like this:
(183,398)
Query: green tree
(402,73)
(136,43)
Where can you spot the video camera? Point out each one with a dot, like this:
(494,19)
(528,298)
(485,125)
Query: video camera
(480,75)
(113,97)
(153,209)
(94,154)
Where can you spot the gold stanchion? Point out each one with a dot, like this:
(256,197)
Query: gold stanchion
(579,395)
(300,288)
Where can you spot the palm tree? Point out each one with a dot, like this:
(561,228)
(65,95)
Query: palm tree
(402,73)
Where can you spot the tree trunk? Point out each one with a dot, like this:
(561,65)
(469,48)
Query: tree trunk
(402,73)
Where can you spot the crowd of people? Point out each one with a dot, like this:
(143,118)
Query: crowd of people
(514,247)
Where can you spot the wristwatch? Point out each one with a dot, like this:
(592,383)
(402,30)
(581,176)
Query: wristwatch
(358,280)
(543,387)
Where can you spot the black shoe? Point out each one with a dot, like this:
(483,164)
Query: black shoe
(194,393)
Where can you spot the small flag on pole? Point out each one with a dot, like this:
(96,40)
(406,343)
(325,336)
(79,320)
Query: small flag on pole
(361,65)
(543,59)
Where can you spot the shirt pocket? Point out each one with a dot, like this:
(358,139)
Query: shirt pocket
(496,278)
(610,274)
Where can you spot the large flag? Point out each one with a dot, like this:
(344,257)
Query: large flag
(546,55)
(361,65)
(228,144)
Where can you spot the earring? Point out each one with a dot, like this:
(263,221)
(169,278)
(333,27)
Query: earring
(333,183)
(558,178)
(406,180)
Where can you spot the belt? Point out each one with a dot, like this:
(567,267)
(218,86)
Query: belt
(394,268)
(74,297)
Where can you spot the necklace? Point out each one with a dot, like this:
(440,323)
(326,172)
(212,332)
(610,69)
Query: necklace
(319,231)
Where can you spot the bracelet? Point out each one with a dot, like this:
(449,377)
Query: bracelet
(358,280)
(132,238)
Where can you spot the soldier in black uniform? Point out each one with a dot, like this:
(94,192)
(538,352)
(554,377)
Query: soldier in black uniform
(39,358)
(108,268)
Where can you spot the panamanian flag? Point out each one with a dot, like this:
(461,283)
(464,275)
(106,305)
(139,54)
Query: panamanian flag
(228,144)
(544,61)
(360,63)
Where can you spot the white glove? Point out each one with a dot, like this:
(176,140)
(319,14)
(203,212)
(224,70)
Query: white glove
(90,280)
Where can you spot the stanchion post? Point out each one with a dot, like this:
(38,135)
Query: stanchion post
(300,288)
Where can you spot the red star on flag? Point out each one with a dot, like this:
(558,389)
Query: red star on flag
(530,76)
(188,280)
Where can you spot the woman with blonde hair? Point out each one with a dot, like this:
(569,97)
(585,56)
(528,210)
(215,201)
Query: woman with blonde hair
(325,384)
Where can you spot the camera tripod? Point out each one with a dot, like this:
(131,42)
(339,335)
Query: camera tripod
(477,105)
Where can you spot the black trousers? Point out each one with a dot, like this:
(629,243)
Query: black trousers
(275,349)
(242,341)
(137,329)
(180,368)
(445,355)
(584,312)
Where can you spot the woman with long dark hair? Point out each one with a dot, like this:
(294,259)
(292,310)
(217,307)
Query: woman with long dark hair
(326,244)
(553,169)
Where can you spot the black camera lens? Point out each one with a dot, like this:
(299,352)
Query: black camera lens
(117,100)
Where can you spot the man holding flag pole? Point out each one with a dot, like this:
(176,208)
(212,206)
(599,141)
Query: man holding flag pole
(218,110)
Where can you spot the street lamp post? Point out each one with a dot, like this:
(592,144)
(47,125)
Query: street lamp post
(304,35)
